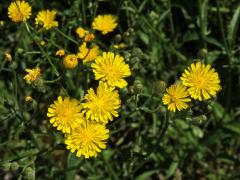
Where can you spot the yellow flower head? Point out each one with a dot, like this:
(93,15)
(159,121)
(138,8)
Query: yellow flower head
(202,81)
(112,69)
(81,32)
(87,54)
(87,139)
(176,97)
(32,75)
(46,18)
(65,114)
(19,11)
(70,61)
(105,23)
(60,53)
(8,56)
(89,37)
(101,106)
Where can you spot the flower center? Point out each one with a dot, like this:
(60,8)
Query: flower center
(88,135)
(199,82)
(111,72)
(173,99)
(64,112)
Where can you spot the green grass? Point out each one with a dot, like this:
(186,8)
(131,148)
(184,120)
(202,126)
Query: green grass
(147,142)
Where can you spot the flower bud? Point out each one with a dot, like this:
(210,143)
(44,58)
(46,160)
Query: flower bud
(29,172)
(118,38)
(202,53)
(137,86)
(199,119)
(6,166)
(14,166)
(162,86)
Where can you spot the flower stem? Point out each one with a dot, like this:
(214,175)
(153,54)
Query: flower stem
(42,50)
(66,36)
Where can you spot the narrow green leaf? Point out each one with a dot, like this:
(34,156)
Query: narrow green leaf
(233,27)
(234,127)
(146,175)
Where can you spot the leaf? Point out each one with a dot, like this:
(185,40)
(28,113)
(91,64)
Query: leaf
(145,175)
(233,27)
(143,37)
(213,41)
(172,169)
(218,110)
(234,127)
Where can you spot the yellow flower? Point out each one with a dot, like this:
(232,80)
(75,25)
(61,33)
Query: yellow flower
(8,56)
(87,139)
(176,97)
(32,75)
(112,69)
(105,23)
(19,11)
(81,32)
(202,81)
(87,54)
(46,18)
(70,61)
(60,52)
(101,106)
(65,114)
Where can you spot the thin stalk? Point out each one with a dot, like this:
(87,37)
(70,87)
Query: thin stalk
(201,20)
(171,20)
(83,12)
(164,127)
(42,50)
(229,55)
(66,36)
(52,81)
(110,169)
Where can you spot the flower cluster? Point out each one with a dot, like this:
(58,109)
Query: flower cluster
(199,81)
(83,122)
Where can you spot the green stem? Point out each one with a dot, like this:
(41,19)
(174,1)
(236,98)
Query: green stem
(83,12)
(110,169)
(202,25)
(52,81)
(66,36)
(229,55)
(164,127)
(42,50)
(171,20)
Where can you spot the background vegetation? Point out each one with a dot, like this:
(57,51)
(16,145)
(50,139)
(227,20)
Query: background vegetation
(162,38)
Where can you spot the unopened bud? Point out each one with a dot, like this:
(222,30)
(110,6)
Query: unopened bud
(199,119)
(118,38)
(162,86)
(42,43)
(202,53)
(14,166)
(28,99)
(137,86)
(30,175)
(8,56)
(6,166)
